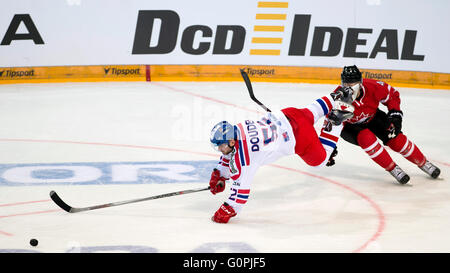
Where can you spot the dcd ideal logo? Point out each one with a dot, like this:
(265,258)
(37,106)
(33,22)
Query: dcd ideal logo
(326,41)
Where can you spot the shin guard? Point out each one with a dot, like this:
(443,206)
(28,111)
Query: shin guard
(369,143)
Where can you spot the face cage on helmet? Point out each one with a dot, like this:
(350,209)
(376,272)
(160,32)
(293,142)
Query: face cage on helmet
(356,88)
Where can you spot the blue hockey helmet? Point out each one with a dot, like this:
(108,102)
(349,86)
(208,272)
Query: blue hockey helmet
(221,133)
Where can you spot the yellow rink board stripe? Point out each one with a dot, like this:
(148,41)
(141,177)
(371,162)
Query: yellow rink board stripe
(270,16)
(263,4)
(294,74)
(257,73)
(269,28)
(73,74)
(272,52)
(266,40)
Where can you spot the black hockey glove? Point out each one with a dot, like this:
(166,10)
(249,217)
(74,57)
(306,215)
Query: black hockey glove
(331,161)
(395,118)
(343,94)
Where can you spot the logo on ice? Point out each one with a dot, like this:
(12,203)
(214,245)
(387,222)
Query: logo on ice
(106,173)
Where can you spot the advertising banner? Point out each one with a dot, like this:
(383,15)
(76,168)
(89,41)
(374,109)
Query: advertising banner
(74,73)
(408,35)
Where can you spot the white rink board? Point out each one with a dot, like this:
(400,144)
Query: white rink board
(354,206)
(80,32)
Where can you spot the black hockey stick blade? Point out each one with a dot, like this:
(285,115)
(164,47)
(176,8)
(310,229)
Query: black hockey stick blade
(58,201)
(248,83)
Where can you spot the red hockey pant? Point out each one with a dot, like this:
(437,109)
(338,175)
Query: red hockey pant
(308,145)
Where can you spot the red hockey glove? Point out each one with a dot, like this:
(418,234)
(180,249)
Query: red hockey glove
(217,183)
(223,214)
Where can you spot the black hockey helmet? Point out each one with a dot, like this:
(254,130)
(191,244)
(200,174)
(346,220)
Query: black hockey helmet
(351,74)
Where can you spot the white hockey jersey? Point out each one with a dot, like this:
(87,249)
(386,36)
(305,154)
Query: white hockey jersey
(258,143)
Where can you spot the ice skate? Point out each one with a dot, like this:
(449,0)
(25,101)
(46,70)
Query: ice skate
(430,169)
(399,175)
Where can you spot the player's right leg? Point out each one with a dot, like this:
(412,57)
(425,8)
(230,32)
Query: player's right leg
(367,140)
(401,144)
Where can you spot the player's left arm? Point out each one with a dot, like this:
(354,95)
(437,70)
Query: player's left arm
(390,97)
(219,175)
(239,192)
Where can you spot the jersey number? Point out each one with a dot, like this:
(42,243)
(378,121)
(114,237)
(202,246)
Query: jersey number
(266,126)
(233,195)
(265,132)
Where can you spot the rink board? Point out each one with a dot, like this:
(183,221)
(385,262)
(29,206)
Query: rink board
(293,74)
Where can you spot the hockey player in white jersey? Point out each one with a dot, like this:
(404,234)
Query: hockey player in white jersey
(249,144)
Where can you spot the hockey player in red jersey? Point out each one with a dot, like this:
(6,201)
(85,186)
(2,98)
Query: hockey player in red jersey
(250,144)
(369,123)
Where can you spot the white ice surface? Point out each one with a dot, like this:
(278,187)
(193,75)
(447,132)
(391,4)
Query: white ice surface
(354,206)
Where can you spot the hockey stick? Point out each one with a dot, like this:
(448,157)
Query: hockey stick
(58,201)
(248,83)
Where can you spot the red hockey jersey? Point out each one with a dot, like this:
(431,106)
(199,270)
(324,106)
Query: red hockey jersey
(372,93)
